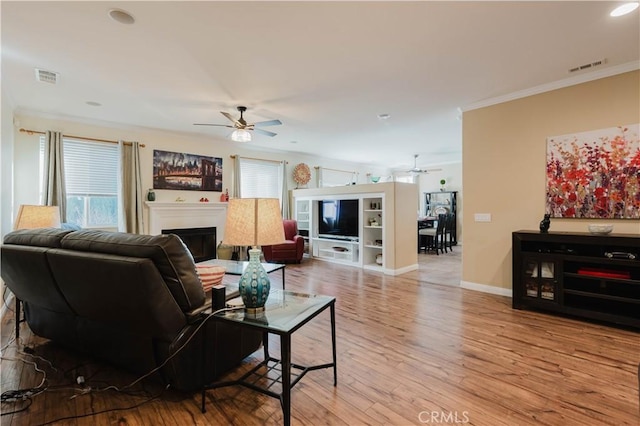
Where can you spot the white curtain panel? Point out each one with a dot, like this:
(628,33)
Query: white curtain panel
(285,192)
(131,188)
(54,193)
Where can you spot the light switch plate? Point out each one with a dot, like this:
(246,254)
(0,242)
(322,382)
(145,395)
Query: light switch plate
(482,217)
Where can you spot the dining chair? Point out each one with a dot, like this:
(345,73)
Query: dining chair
(435,236)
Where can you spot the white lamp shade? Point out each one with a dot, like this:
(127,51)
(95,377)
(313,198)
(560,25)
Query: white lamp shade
(241,135)
(253,222)
(30,217)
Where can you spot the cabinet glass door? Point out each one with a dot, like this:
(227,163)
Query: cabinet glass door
(540,279)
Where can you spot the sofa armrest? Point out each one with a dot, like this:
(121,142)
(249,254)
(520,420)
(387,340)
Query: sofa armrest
(198,314)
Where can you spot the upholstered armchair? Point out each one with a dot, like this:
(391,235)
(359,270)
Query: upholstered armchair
(291,250)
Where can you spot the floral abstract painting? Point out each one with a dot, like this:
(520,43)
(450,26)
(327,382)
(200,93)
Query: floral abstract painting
(594,174)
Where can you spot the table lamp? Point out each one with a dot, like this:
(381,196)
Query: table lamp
(30,217)
(254,222)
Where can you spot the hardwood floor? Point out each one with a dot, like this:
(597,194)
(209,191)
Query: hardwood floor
(412,349)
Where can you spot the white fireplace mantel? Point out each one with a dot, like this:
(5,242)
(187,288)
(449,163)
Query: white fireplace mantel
(184,215)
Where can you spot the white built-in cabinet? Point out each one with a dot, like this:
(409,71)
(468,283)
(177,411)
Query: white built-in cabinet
(372,232)
(303,217)
(387,226)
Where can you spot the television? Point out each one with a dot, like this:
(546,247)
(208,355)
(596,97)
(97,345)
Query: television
(338,219)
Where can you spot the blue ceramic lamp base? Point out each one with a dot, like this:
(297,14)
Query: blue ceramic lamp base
(254,284)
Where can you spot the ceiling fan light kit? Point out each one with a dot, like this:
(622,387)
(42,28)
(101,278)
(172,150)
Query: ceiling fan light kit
(242,128)
(241,135)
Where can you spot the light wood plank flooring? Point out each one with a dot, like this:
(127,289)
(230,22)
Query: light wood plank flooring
(412,349)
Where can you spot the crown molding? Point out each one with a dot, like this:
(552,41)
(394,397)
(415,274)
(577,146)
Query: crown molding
(547,87)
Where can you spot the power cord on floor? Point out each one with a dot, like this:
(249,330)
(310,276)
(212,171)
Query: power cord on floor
(29,393)
(81,416)
(16,395)
(176,352)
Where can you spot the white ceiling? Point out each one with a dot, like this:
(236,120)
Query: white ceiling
(325,69)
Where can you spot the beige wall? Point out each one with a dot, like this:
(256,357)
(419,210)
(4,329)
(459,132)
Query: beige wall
(504,151)
(25,157)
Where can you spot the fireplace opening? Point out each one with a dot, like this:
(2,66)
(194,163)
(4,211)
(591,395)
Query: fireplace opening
(201,242)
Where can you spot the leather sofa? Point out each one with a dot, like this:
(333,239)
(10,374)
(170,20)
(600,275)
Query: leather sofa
(130,300)
(291,250)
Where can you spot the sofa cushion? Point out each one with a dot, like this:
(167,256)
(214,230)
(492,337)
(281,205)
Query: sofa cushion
(168,253)
(42,237)
(210,275)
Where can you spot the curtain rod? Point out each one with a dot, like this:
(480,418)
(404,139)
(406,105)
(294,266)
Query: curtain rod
(31,132)
(260,159)
(335,170)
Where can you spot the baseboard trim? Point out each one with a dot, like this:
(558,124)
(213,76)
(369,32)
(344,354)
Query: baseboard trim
(486,288)
(401,271)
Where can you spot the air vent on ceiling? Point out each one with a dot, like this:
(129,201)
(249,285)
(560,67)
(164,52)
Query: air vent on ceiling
(46,76)
(589,65)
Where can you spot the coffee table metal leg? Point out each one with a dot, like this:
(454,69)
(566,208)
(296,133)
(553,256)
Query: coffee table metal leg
(285,343)
(265,345)
(283,277)
(333,343)
(18,318)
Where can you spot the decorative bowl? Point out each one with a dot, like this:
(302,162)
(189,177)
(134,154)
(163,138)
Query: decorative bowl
(375,179)
(604,228)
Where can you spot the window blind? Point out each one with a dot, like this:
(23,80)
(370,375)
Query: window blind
(91,168)
(260,179)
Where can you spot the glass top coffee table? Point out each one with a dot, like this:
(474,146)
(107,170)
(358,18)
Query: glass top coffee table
(285,312)
(237,267)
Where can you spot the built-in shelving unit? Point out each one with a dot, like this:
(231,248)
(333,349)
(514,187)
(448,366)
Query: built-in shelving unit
(303,218)
(386,236)
(337,250)
(585,275)
(373,232)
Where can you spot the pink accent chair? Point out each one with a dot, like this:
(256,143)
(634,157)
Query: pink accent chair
(291,250)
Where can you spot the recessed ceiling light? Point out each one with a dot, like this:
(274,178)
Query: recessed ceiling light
(92,103)
(383,116)
(121,16)
(624,9)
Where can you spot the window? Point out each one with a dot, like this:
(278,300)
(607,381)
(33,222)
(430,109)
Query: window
(91,178)
(332,177)
(260,179)
(407,178)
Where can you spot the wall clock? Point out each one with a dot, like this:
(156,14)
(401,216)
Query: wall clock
(301,174)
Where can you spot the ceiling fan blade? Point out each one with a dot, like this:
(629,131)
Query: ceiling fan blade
(267,123)
(233,120)
(208,124)
(265,132)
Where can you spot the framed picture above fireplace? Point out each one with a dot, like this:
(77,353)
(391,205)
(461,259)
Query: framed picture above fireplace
(177,170)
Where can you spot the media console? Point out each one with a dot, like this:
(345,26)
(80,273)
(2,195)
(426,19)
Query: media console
(580,274)
(378,233)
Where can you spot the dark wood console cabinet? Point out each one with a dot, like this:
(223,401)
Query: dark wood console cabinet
(580,274)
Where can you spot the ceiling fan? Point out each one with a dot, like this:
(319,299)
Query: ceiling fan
(242,128)
(417,169)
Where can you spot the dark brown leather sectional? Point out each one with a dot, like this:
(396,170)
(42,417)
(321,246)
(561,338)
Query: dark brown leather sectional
(130,300)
